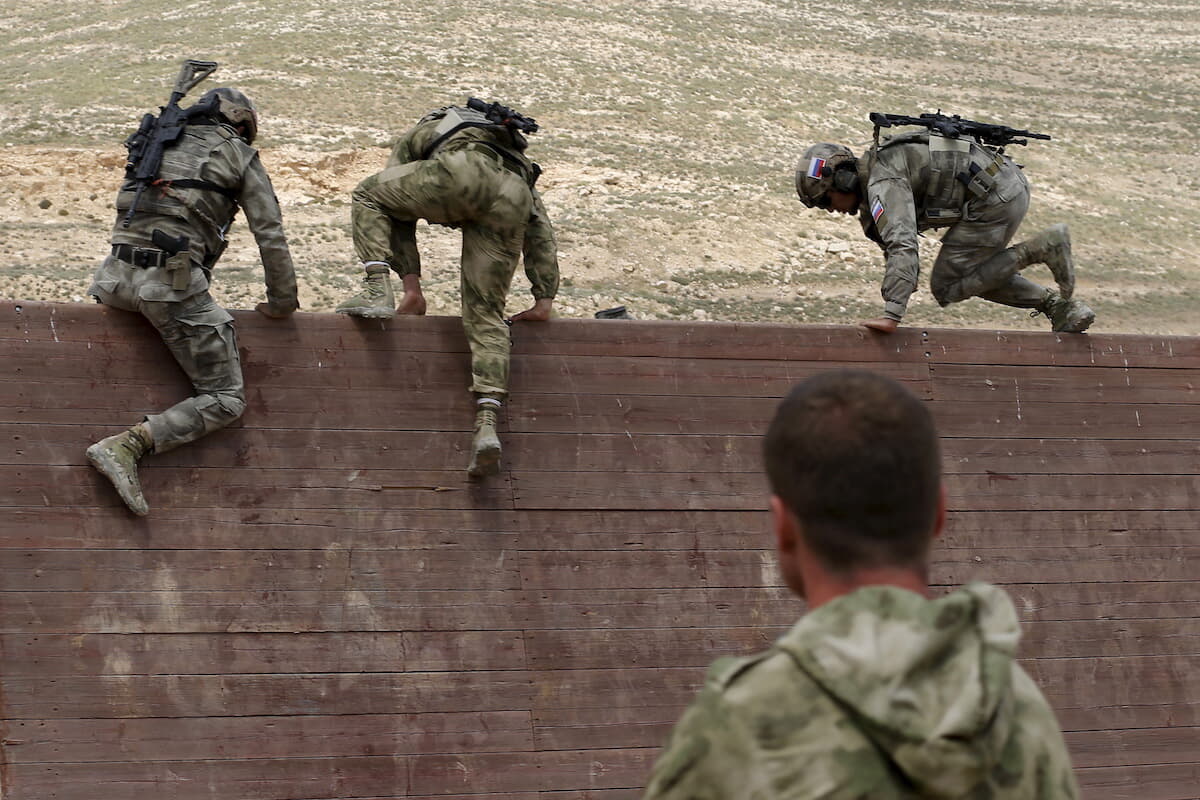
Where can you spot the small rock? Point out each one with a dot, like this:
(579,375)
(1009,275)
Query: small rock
(44,203)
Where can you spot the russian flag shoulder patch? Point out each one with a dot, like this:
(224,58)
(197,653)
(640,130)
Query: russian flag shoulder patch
(876,209)
(815,166)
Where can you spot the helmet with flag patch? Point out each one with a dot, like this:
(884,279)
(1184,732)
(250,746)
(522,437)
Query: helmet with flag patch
(236,109)
(815,173)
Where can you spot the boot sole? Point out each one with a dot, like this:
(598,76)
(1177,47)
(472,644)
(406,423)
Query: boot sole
(109,468)
(1080,326)
(486,462)
(367,313)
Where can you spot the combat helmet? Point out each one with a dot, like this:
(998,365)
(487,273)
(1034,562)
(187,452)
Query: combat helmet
(818,172)
(235,108)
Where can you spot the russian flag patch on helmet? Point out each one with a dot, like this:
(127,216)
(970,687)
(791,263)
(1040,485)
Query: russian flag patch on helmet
(876,210)
(815,166)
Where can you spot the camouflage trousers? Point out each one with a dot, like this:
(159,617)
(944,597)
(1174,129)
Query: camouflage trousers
(976,260)
(470,189)
(199,334)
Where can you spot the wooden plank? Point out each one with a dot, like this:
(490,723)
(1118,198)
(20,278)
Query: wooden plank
(506,774)
(53,655)
(544,771)
(1146,746)
(739,491)
(246,609)
(341,693)
(1048,420)
(748,491)
(328,368)
(958,346)
(604,570)
(247,779)
(173,487)
(91,323)
(54,741)
(275,448)
(264,570)
(698,647)
(285,611)
(974,383)
(1151,782)
(551,529)
(220,528)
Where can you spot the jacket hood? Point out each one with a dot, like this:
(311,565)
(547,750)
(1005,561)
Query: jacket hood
(928,680)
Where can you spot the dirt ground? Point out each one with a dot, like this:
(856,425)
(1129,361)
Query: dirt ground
(670,132)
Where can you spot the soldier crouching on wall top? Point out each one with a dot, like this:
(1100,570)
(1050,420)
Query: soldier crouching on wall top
(953,176)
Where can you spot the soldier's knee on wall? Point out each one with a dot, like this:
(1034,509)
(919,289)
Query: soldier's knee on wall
(233,405)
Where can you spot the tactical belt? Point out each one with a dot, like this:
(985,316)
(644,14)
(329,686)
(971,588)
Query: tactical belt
(140,256)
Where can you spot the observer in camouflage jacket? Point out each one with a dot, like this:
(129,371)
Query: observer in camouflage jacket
(879,694)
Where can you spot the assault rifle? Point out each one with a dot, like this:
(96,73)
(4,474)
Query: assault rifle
(503,115)
(146,144)
(998,136)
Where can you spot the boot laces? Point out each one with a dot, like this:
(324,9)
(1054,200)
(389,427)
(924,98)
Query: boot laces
(485,416)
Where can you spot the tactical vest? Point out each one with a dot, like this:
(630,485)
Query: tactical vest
(960,170)
(454,119)
(179,190)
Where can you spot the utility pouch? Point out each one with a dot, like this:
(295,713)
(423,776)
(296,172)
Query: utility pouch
(180,267)
(179,262)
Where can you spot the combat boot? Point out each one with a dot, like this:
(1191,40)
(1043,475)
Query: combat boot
(376,300)
(485,447)
(117,458)
(1051,247)
(1066,316)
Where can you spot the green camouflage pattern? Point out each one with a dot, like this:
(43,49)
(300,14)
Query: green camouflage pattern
(465,184)
(197,331)
(975,259)
(881,693)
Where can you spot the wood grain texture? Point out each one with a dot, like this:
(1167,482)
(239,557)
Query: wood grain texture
(322,606)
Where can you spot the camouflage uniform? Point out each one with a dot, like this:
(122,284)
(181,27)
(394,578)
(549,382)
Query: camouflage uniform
(214,172)
(880,693)
(912,184)
(479,180)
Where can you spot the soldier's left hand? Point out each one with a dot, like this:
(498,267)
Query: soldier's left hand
(267,310)
(539,313)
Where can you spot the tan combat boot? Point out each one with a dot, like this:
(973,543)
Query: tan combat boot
(485,447)
(117,458)
(1051,247)
(376,300)
(1066,316)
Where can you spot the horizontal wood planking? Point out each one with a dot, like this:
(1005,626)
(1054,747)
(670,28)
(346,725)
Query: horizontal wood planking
(205,738)
(498,774)
(400,609)
(112,528)
(64,445)
(467,632)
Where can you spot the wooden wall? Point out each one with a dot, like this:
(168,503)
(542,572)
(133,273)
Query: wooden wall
(321,606)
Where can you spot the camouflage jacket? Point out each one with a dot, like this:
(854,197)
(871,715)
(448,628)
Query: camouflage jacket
(540,250)
(912,185)
(878,694)
(231,176)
